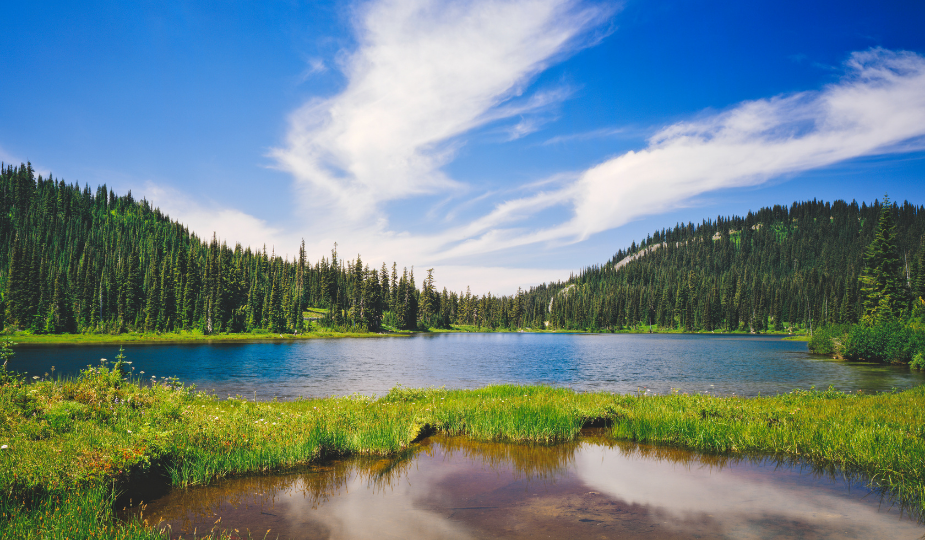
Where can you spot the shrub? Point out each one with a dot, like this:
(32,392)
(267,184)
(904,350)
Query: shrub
(889,341)
(829,339)
(918,361)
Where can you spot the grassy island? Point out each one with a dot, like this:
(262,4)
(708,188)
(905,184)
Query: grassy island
(72,447)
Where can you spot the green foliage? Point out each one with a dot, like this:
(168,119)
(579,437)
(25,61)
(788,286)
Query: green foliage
(6,352)
(887,341)
(61,415)
(918,361)
(880,280)
(828,339)
(75,260)
(782,269)
(78,261)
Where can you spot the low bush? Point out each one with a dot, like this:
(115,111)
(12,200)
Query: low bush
(918,361)
(890,341)
(829,340)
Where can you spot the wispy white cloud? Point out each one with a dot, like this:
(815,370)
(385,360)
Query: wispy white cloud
(230,225)
(425,72)
(878,107)
(584,136)
(388,133)
(6,157)
(880,103)
(9,159)
(315,66)
(524,127)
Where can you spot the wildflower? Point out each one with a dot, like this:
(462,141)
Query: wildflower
(35,376)
(4,447)
(129,431)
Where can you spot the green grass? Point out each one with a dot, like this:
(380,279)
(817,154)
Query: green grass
(26,338)
(73,445)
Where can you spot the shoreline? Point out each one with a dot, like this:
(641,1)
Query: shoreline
(135,338)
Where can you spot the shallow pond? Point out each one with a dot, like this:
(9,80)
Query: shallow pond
(722,364)
(455,488)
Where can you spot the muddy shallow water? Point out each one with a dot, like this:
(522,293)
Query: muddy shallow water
(456,488)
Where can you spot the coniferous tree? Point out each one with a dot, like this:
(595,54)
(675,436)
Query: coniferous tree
(152,292)
(372,301)
(17,293)
(101,262)
(880,281)
(190,291)
(427,299)
(918,284)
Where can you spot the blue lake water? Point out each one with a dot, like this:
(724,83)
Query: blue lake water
(720,364)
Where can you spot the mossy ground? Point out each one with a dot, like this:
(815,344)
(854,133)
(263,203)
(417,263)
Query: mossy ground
(72,446)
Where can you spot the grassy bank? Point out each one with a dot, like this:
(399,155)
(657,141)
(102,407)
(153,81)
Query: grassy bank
(24,338)
(642,329)
(190,336)
(72,446)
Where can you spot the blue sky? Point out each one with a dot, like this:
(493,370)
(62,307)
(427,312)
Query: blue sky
(504,143)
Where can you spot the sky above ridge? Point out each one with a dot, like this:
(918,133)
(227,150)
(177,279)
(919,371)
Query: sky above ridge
(503,143)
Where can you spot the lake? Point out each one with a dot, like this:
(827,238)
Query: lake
(720,364)
(456,488)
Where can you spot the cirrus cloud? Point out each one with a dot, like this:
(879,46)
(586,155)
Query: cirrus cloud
(426,72)
(878,107)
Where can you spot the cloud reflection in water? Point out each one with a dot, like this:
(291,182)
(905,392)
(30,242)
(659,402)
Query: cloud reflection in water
(456,488)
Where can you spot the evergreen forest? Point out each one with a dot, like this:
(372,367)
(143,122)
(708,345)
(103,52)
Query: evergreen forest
(77,260)
(780,268)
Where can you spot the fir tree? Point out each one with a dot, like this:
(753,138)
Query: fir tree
(881,280)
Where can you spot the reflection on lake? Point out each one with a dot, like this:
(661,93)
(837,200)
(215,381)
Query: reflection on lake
(723,364)
(455,488)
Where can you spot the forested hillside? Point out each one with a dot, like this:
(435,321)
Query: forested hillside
(777,268)
(76,260)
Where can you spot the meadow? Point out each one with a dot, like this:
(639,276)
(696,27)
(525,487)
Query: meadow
(73,450)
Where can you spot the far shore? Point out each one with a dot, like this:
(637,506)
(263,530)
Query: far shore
(27,338)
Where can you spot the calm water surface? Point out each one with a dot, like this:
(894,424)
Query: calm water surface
(722,364)
(455,488)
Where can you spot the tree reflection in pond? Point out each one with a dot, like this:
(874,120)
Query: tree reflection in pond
(454,487)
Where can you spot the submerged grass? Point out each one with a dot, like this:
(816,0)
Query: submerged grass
(72,447)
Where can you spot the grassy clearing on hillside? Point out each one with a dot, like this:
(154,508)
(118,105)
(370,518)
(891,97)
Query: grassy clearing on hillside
(72,445)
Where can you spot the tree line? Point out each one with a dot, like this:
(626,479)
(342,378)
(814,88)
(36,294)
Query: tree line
(780,268)
(76,260)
